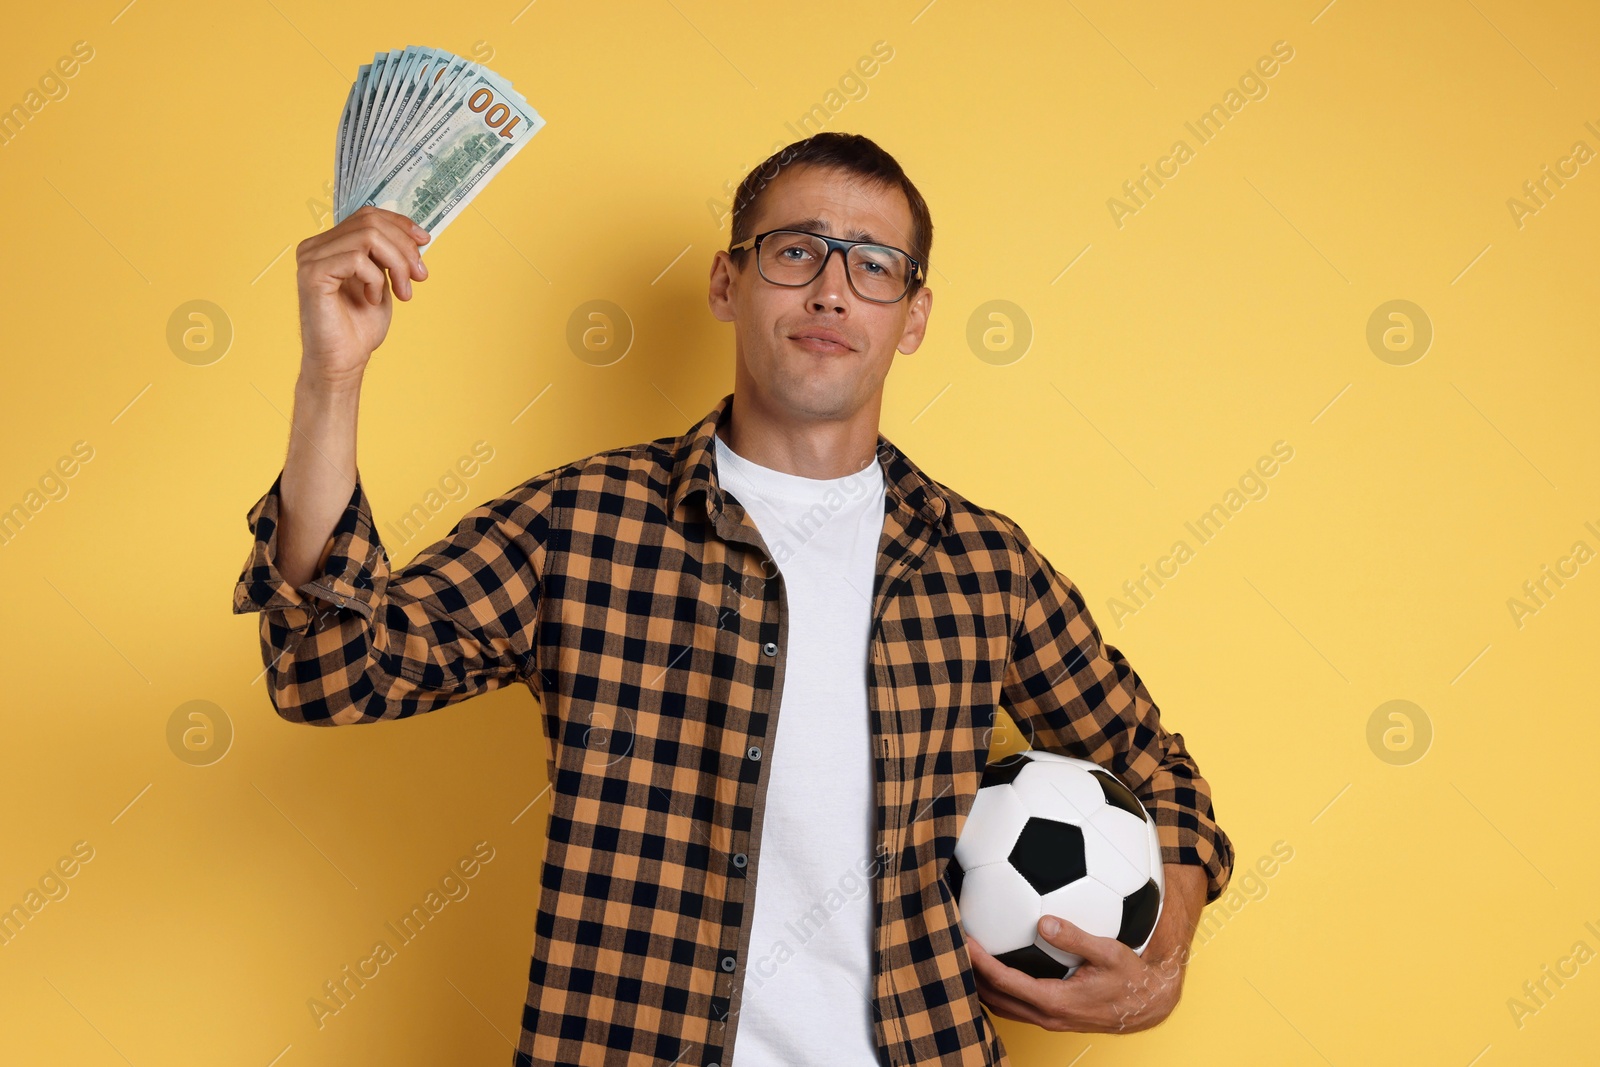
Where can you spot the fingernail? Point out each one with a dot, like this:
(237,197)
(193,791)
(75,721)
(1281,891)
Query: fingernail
(1050,926)
(422,268)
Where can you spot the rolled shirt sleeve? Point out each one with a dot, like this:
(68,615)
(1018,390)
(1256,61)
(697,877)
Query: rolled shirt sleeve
(1078,696)
(358,643)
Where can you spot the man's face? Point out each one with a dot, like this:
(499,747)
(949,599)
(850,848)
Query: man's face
(807,378)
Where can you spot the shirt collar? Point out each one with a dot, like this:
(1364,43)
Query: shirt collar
(695,470)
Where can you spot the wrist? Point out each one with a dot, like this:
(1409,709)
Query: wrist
(314,387)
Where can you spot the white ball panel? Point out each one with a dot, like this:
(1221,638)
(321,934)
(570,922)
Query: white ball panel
(1059,787)
(999,909)
(992,827)
(1116,847)
(1042,756)
(1041,798)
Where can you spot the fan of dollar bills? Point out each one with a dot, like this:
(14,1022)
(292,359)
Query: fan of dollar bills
(422,133)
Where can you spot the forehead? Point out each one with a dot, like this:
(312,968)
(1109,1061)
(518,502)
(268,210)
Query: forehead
(835,202)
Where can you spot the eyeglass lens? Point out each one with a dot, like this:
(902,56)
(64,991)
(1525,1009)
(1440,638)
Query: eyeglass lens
(877,272)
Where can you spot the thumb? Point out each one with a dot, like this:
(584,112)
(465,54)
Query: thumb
(1070,937)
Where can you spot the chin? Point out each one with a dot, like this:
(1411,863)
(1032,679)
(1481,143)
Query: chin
(820,399)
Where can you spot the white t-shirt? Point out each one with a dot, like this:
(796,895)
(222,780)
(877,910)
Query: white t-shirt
(808,981)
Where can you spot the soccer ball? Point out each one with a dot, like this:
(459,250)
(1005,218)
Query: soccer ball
(1050,834)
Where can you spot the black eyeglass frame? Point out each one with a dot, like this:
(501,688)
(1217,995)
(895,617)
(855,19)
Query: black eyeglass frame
(913,280)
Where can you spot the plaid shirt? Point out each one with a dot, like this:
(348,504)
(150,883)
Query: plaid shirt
(636,600)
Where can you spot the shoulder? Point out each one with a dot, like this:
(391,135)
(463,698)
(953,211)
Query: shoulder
(979,527)
(1020,562)
(601,481)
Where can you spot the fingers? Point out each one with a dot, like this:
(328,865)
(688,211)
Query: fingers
(357,270)
(417,233)
(388,238)
(1009,1007)
(406,235)
(394,220)
(379,242)
(998,979)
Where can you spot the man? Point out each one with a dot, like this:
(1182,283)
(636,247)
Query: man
(768,654)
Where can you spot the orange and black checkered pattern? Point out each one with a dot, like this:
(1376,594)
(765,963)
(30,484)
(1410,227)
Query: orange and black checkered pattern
(637,601)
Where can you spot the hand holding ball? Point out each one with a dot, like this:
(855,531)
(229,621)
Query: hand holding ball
(1053,835)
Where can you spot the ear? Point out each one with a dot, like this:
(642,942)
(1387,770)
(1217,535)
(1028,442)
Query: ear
(720,296)
(916,321)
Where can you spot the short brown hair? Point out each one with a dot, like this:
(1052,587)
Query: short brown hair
(848,152)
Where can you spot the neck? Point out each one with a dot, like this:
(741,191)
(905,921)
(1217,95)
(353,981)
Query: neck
(800,445)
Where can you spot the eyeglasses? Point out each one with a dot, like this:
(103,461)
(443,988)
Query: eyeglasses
(880,273)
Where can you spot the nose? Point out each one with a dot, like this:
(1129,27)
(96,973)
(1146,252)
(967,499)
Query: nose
(828,288)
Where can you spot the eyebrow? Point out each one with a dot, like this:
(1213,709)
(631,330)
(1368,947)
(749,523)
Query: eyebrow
(821,226)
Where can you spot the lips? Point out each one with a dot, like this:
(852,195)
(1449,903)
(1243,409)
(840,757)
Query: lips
(821,341)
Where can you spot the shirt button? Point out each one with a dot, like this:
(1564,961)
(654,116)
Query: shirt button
(727,963)
(754,752)
(739,859)
(770,648)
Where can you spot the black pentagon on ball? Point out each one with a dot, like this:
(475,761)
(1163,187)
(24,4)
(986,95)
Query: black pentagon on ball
(1033,960)
(1139,911)
(1049,854)
(1119,795)
(1004,771)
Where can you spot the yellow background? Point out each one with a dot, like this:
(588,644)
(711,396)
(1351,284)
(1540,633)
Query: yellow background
(1230,312)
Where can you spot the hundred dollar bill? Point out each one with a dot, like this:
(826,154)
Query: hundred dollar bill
(365,109)
(411,85)
(341,149)
(390,125)
(385,92)
(428,79)
(421,133)
(463,139)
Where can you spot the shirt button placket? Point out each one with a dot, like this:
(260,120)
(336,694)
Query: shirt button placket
(740,860)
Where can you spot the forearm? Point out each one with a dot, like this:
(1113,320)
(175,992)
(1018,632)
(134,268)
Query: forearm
(1180,914)
(1142,1004)
(367,643)
(319,474)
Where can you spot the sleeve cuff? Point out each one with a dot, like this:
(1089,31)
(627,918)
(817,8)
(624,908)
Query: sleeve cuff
(1211,850)
(354,575)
